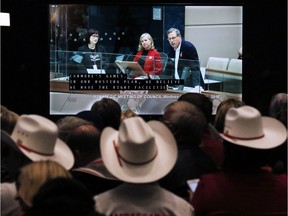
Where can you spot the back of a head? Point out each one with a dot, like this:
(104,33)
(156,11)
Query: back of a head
(32,176)
(203,102)
(186,121)
(110,111)
(84,143)
(222,109)
(69,123)
(62,196)
(278,107)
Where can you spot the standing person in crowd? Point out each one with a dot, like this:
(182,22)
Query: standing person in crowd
(147,56)
(139,154)
(245,186)
(32,176)
(278,110)
(187,123)
(181,51)
(94,55)
(109,110)
(222,109)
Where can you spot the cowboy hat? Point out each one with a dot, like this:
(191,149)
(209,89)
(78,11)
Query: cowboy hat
(139,152)
(37,138)
(246,127)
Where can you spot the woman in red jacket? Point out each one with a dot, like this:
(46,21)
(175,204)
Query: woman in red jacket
(147,56)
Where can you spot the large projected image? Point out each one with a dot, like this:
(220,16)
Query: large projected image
(129,54)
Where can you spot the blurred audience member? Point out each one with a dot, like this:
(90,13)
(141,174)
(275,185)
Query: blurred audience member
(93,117)
(211,142)
(32,176)
(278,110)
(278,107)
(8,119)
(139,154)
(67,124)
(187,123)
(222,109)
(109,110)
(62,196)
(9,205)
(245,186)
(84,143)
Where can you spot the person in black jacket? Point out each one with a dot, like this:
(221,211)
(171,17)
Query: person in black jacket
(94,55)
(185,64)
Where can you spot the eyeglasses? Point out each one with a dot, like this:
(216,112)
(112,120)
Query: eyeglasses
(95,35)
(172,38)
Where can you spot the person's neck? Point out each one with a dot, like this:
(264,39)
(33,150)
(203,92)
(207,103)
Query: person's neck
(91,46)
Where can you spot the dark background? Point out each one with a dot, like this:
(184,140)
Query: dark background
(25,52)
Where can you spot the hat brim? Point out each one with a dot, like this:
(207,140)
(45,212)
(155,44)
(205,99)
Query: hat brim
(275,134)
(62,154)
(150,172)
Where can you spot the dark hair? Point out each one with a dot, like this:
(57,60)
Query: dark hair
(110,112)
(89,33)
(203,102)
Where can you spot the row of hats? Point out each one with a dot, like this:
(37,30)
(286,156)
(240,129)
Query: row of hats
(141,152)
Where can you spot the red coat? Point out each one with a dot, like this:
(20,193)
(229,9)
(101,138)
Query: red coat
(152,56)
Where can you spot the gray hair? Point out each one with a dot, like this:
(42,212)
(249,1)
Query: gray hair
(177,31)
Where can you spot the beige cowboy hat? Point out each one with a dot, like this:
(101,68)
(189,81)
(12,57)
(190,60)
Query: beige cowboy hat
(140,152)
(37,138)
(245,126)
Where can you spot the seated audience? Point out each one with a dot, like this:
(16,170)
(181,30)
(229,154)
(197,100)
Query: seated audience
(32,176)
(187,123)
(211,142)
(245,186)
(34,138)
(110,111)
(139,154)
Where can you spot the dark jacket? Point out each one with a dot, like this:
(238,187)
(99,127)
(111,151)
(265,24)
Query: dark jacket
(187,70)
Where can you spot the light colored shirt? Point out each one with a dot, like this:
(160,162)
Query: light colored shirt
(142,199)
(177,53)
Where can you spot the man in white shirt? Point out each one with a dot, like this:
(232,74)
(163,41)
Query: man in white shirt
(186,63)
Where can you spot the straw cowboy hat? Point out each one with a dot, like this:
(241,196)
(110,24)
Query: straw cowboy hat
(245,126)
(139,152)
(37,138)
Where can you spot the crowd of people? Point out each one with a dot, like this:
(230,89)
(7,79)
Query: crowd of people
(105,161)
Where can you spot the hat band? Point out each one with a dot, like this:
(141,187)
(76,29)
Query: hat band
(19,143)
(234,138)
(129,162)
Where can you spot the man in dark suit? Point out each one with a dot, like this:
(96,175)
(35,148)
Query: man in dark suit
(185,61)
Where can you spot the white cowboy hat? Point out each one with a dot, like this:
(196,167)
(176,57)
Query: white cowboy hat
(139,152)
(37,138)
(245,126)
